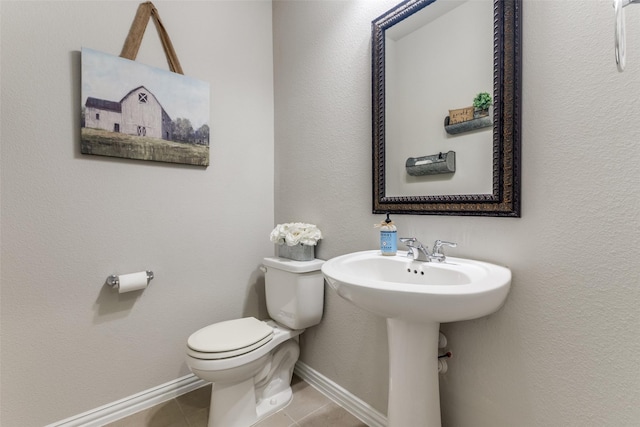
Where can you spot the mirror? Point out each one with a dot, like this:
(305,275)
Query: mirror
(432,61)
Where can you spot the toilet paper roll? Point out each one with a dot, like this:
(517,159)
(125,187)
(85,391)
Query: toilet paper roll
(132,282)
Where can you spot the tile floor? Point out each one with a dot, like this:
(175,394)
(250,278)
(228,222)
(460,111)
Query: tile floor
(308,408)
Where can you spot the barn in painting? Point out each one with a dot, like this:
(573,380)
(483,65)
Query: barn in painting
(137,113)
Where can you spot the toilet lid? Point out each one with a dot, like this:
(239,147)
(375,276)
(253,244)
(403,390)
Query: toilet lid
(230,338)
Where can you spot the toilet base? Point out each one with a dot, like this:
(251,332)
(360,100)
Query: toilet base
(274,404)
(244,403)
(273,385)
(232,405)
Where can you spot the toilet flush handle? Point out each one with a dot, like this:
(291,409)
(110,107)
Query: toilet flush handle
(263,268)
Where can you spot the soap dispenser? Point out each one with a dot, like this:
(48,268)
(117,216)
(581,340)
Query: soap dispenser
(388,237)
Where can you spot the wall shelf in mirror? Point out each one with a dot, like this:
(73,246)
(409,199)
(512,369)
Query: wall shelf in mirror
(467,126)
(435,164)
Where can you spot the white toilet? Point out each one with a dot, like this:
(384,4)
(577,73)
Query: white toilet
(250,362)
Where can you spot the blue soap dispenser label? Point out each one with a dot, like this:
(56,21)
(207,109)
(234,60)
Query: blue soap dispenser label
(388,242)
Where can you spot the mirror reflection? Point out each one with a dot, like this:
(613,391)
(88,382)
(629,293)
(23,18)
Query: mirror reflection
(438,60)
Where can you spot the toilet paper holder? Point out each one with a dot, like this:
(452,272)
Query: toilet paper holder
(114,282)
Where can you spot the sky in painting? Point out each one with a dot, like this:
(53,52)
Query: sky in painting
(110,78)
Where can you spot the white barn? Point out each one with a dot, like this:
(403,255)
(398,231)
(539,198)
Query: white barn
(138,113)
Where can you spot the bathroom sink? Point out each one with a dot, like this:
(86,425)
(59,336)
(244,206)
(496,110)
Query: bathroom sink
(401,288)
(415,297)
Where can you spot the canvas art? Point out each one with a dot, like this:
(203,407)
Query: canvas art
(135,111)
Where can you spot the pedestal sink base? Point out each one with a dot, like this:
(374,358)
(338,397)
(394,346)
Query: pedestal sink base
(415,297)
(414,394)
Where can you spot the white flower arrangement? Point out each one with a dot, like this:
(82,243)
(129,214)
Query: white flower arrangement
(294,233)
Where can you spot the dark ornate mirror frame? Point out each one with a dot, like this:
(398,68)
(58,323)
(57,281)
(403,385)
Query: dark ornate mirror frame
(507,72)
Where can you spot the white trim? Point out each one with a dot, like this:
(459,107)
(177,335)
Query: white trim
(130,405)
(356,406)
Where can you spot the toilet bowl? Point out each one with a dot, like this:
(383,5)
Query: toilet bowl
(250,362)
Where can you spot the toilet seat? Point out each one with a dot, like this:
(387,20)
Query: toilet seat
(229,338)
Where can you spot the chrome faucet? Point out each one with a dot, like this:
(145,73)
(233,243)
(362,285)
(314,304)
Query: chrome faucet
(419,252)
(437,254)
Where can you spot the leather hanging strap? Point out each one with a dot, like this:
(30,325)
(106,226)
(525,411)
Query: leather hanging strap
(139,25)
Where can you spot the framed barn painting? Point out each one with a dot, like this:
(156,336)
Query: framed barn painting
(135,111)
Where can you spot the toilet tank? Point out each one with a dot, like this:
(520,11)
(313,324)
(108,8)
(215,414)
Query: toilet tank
(294,291)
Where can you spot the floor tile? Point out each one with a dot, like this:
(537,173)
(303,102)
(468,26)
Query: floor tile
(195,400)
(330,415)
(199,418)
(306,399)
(279,419)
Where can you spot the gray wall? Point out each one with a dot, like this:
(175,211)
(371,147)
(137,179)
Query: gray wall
(68,220)
(564,350)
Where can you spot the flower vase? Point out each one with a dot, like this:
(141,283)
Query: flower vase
(477,113)
(297,253)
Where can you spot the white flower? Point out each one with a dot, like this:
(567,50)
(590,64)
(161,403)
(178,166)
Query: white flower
(294,233)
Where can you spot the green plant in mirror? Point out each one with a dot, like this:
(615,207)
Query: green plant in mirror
(482,101)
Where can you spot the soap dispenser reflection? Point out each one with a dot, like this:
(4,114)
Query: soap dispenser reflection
(388,237)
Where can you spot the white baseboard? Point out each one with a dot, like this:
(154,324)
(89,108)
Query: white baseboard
(132,404)
(357,407)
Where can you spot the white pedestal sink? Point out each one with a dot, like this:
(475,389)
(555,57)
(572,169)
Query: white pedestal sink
(416,297)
